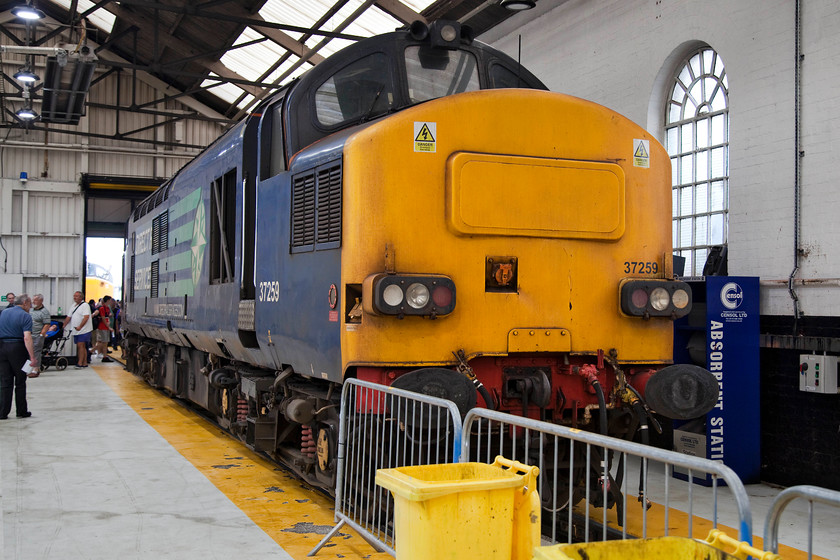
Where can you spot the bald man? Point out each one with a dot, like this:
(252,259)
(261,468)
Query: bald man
(15,349)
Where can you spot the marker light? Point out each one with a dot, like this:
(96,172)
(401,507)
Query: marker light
(392,295)
(654,298)
(427,295)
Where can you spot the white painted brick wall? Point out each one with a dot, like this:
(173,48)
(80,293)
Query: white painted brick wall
(612,51)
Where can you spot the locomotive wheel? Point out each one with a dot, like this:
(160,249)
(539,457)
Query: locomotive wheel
(61,364)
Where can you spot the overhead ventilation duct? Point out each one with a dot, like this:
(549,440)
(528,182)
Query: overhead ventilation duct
(66,84)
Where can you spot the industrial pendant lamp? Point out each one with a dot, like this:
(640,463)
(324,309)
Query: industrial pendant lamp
(27,11)
(518,5)
(26,114)
(26,75)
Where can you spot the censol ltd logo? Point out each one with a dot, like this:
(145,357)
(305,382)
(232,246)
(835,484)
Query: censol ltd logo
(731,295)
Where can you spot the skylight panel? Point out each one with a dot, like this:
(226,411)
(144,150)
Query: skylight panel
(227,92)
(418,5)
(253,60)
(301,13)
(101,18)
(283,68)
(372,21)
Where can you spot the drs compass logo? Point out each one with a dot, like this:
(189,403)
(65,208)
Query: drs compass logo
(731,295)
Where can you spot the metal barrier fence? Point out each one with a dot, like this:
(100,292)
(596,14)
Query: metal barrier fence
(381,428)
(785,497)
(585,468)
(580,472)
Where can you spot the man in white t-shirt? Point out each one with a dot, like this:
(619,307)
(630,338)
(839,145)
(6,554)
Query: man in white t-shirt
(81,327)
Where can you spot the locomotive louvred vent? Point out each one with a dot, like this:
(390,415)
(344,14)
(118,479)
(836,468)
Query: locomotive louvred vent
(329,204)
(303,212)
(160,233)
(131,285)
(155,276)
(316,209)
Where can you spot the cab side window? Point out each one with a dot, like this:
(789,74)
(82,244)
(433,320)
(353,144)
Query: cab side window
(272,160)
(357,92)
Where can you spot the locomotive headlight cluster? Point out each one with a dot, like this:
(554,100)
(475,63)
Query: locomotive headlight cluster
(396,294)
(655,298)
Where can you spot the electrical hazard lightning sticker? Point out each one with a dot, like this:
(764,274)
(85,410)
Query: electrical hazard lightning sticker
(425,135)
(641,153)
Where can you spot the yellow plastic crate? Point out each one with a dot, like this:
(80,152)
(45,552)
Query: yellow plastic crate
(464,510)
(659,548)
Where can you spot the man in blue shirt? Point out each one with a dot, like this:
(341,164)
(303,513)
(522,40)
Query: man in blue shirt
(15,348)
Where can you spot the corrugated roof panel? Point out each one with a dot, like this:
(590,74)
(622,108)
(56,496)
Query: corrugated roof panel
(302,13)
(418,5)
(102,19)
(283,68)
(228,92)
(253,60)
(372,21)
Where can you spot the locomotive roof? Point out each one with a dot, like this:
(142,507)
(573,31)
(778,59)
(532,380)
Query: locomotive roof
(387,57)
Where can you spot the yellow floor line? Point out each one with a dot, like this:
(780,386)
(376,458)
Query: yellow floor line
(288,510)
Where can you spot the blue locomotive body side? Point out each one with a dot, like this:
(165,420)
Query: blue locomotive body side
(295,323)
(171,298)
(176,298)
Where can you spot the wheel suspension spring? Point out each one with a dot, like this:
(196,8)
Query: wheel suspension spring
(307,441)
(241,410)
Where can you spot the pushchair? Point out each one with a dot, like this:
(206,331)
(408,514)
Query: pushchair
(54,342)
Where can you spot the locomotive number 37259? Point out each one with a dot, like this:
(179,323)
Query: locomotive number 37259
(641,267)
(269,291)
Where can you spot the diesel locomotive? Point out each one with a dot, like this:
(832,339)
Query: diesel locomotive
(418,211)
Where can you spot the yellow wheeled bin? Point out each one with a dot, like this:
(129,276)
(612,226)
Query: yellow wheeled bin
(464,510)
(658,548)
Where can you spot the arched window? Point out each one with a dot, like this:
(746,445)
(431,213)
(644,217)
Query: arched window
(697,139)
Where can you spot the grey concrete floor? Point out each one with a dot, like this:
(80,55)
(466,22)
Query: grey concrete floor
(86,478)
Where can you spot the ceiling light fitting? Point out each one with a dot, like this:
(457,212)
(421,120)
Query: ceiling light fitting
(27,114)
(28,12)
(26,75)
(518,5)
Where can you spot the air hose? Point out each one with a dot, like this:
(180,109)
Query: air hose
(485,394)
(465,368)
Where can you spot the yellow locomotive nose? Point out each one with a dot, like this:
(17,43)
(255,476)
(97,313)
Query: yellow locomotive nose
(533,229)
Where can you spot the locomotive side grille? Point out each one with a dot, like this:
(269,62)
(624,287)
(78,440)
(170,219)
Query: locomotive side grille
(303,212)
(155,277)
(316,209)
(329,204)
(131,284)
(160,233)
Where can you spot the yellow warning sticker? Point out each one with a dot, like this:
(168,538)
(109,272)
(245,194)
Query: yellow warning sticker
(425,135)
(641,153)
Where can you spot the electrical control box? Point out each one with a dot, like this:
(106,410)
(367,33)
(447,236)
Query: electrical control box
(818,373)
